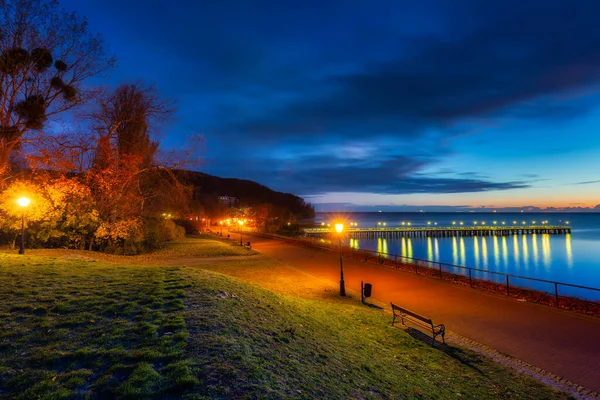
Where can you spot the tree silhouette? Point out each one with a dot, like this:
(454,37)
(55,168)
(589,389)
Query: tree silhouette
(45,56)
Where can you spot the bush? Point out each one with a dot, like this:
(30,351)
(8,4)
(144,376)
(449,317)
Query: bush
(158,231)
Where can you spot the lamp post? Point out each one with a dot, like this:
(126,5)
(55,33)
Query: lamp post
(221,223)
(340,228)
(23,202)
(241,228)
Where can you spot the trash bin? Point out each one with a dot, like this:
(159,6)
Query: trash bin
(367,289)
(248,244)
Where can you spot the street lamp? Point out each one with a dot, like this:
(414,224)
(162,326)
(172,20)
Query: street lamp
(23,202)
(340,228)
(241,228)
(221,223)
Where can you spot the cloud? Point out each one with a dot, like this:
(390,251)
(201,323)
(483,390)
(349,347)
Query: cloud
(586,182)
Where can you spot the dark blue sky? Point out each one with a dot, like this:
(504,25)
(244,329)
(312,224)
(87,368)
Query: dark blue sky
(358,104)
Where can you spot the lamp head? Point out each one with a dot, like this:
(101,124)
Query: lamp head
(339,228)
(23,201)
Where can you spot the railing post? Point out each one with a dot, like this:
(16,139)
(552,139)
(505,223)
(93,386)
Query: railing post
(440,271)
(396,261)
(470,279)
(507,286)
(366,256)
(556,293)
(416,268)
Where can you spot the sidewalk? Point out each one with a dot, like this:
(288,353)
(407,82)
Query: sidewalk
(560,342)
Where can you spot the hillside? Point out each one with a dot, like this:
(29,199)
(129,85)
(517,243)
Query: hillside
(207,189)
(78,328)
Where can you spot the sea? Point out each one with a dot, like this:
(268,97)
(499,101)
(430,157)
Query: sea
(566,258)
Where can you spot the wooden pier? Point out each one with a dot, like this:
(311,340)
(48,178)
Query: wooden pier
(372,233)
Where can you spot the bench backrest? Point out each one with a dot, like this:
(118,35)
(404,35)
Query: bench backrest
(412,314)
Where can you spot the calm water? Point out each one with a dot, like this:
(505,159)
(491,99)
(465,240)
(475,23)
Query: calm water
(573,258)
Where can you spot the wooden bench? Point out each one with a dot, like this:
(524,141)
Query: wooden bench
(403,314)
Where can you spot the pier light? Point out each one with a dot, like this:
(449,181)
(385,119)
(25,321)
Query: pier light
(503,223)
(435,223)
(474,222)
(403,223)
(428,222)
(567,222)
(409,223)
(514,222)
(461,222)
(533,222)
(482,222)
(379,223)
(494,222)
(328,224)
(385,223)
(524,222)
(453,222)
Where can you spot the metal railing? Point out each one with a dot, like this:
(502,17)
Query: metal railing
(450,271)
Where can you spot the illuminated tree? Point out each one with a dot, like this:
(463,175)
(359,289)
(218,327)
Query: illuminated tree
(46,56)
(61,211)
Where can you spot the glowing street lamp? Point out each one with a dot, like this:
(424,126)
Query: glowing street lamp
(23,202)
(339,229)
(241,229)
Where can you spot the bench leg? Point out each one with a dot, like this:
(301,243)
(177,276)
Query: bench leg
(393,319)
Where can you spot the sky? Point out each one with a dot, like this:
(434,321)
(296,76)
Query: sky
(371,105)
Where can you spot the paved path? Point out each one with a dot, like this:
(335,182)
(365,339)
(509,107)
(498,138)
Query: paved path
(562,343)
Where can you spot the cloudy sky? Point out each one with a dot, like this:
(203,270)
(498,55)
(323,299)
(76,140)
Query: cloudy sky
(376,104)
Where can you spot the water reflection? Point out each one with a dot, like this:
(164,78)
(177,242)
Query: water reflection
(534,246)
(354,243)
(525,252)
(569,250)
(454,251)
(546,250)
(516,250)
(382,246)
(484,252)
(496,251)
(542,256)
(429,249)
(504,252)
(476,251)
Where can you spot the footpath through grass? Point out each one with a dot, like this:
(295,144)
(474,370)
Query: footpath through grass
(76,329)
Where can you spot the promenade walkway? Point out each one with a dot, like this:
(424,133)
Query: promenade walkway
(560,342)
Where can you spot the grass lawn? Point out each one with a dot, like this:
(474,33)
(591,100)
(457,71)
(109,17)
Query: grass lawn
(76,328)
(79,329)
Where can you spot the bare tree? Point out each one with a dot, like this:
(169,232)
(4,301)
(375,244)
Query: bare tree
(46,56)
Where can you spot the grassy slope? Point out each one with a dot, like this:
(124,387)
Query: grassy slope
(76,328)
(247,342)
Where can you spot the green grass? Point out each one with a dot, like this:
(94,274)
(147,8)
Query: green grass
(247,342)
(203,247)
(78,329)
(74,329)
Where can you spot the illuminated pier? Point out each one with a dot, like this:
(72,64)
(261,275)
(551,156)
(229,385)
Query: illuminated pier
(373,233)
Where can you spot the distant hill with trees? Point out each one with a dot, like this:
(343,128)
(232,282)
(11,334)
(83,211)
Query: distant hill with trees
(252,198)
